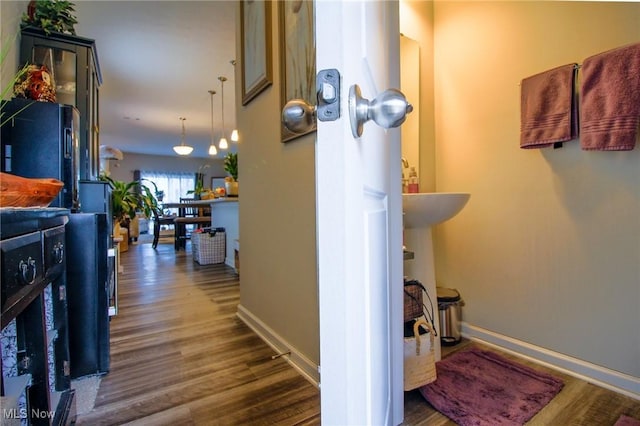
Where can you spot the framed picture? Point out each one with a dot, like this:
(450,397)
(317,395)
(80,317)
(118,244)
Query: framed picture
(255,30)
(297,56)
(217,181)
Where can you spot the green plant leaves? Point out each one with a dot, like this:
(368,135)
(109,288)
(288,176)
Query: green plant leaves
(231,165)
(51,16)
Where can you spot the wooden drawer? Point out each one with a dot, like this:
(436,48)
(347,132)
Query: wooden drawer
(22,273)
(54,248)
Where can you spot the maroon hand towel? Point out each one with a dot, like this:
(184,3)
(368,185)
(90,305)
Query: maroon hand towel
(610,100)
(548,109)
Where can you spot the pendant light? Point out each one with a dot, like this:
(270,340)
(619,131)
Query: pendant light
(223,144)
(212,148)
(182,149)
(234,132)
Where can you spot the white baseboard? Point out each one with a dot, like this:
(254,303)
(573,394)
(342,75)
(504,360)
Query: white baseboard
(601,376)
(307,368)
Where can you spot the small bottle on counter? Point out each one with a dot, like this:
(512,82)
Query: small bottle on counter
(413,181)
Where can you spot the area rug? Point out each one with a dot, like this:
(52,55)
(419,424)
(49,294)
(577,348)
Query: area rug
(476,387)
(625,420)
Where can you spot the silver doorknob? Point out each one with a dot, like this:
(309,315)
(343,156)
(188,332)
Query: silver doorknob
(298,116)
(388,109)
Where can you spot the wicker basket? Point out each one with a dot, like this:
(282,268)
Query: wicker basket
(413,301)
(419,357)
(209,247)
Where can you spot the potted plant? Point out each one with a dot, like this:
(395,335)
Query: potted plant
(159,194)
(231,167)
(127,200)
(197,190)
(50,16)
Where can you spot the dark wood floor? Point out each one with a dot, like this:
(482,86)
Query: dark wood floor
(180,356)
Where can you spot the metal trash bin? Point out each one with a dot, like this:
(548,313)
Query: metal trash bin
(450,314)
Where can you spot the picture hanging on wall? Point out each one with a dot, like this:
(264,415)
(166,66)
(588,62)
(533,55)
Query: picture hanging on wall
(255,30)
(297,57)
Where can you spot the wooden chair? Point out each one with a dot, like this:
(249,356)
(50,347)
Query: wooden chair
(187,215)
(158,222)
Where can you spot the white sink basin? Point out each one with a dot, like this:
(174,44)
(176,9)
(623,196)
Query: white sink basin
(430,208)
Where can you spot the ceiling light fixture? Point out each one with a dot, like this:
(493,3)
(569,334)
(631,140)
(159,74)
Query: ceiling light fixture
(223,144)
(110,153)
(234,132)
(212,148)
(182,149)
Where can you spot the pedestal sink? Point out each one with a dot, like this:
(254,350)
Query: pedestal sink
(430,208)
(421,212)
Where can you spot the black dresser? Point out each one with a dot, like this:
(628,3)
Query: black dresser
(36,385)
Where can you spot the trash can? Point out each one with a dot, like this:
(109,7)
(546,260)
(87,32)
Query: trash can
(450,313)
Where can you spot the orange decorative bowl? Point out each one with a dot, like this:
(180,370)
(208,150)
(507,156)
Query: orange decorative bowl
(18,191)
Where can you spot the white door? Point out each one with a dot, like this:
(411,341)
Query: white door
(359,223)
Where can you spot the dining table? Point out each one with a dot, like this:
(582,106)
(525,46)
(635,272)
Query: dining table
(224,213)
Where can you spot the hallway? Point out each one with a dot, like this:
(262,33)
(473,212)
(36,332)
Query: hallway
(180,356)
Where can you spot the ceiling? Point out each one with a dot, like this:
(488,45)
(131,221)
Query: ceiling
(158,60)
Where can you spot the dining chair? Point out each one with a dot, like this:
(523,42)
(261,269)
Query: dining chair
(158,222)
(189,215)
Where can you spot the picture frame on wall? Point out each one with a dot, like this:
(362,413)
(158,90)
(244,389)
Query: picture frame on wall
(256,58)
(217,182)
(297,57)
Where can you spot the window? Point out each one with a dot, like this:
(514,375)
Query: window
(175,185)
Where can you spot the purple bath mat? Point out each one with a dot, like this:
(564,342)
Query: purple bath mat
(627,421)
(479,388)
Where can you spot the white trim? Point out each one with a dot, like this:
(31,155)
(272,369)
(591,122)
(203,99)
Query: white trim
(307,368)
(609,379)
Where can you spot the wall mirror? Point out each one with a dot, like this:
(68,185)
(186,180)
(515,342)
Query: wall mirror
(410,86)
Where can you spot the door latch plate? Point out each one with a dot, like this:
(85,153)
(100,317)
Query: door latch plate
(328,93)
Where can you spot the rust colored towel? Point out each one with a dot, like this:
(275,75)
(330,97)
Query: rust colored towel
(610,100)
(548,108)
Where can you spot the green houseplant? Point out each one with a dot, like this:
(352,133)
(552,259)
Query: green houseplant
(231,167)
(51,16)
(127,199)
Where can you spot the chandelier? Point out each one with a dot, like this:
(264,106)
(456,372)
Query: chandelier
(182,149)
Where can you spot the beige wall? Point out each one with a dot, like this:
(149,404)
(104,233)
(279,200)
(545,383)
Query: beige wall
(10,16)
(535,254)
(277,220)
(548,248)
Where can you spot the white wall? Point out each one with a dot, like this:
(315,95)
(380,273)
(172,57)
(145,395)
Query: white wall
(547,250)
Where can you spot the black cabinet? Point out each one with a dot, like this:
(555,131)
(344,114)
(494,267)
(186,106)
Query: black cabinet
(35,335)
(73,62)
(90,284)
